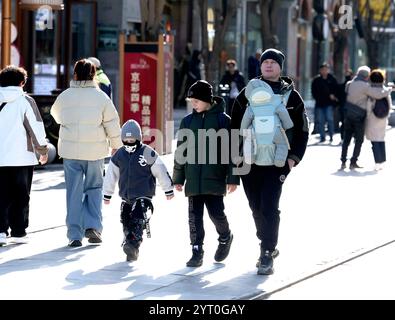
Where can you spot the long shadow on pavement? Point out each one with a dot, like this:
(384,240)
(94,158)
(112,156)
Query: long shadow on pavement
(182,284)
(354,173)
(51,258)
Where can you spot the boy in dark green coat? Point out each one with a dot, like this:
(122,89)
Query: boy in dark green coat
(205,168)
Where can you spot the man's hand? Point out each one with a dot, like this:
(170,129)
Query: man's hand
(333,97)
(106,202)
(178,187)
(231,188)
(43,159)
(170,197)
(291,163)
(113,151)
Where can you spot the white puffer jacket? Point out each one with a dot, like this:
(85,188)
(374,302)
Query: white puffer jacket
(21,128)
(89,122)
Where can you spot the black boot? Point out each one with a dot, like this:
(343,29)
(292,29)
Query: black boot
(197,257)
(131,249)
(265,266)
(223,248)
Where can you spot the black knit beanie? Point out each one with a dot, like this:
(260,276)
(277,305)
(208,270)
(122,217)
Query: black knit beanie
(201,90)
(275,55)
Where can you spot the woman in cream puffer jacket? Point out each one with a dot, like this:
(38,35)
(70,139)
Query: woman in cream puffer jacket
(89,126)
(375,127)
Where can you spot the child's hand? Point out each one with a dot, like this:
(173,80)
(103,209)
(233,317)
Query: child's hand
(178,187)
(106,202)
(170,197)
(232,188)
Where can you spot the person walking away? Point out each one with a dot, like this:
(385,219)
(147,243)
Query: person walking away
(377,119)
(263,184)
(22,134)
(135,167)
(342,100)
(235,80)
(358,91)
(206,182)
(101,78)
(324,90)
(89,125)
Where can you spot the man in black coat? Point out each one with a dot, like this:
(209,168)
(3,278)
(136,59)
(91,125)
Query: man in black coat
(263,184)
(235,81)
(324,89)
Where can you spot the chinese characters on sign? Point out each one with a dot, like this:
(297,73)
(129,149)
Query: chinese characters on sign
(140,90)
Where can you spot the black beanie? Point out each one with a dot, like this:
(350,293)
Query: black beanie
(275,55)
(201,90)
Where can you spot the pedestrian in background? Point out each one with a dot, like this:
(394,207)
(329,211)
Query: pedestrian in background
(263,184)
(358,91)
(376,126)
(324,90)
(22,133)
(235,80)
(101,77)
(206,183)
(135,167)
(342,100)
(181,77)
(89,123)
(254,65)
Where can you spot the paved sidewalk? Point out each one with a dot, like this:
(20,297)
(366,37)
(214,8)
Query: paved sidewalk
(327,215)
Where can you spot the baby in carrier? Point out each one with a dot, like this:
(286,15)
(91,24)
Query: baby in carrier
(264,123)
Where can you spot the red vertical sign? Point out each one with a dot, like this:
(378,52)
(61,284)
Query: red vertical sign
(140,87)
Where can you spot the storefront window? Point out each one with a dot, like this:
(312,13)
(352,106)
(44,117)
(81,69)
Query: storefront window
(45,60)
(254,39)
(83,30)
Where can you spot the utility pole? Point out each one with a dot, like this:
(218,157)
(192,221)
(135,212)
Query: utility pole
(6,33)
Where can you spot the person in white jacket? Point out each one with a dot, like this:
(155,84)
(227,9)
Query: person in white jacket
(22,133)
(135,168)
(89,127)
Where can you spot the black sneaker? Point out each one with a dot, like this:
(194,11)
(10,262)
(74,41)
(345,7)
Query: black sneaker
(75,243)
(275,254)
(93,236)
(343,166)
(132,252)
(223,248)
(197,257)
(266,263)
(355,166)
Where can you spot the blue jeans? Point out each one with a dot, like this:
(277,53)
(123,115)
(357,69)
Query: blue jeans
(325,114)
(84,182)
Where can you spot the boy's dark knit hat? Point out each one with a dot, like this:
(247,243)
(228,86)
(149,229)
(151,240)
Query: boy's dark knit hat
(131,130)
(201,90)
(275,55)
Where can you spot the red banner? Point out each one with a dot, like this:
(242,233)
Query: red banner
(140,90)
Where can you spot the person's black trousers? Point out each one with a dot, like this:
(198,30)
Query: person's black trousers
(379,151)
(356,129)
(216,211)
(15,186)
(263,186)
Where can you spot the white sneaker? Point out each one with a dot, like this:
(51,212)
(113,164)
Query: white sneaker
(3,239)
(20,240)
(379,166)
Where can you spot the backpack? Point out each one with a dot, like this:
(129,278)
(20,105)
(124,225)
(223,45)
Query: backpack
(381,109)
